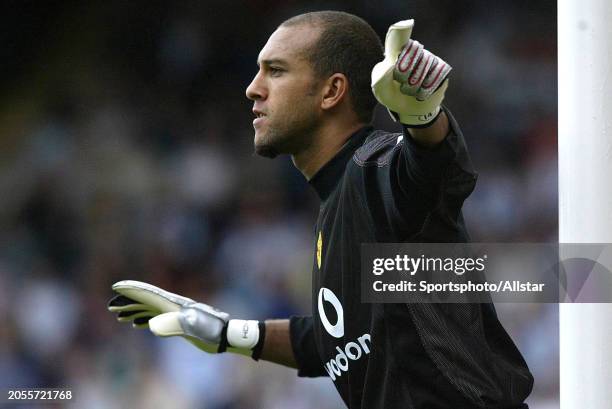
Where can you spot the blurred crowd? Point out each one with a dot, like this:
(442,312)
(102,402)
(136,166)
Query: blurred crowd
(126,153)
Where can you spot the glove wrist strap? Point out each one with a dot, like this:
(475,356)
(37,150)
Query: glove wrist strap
(244,337)
(223,343)
(243,334)
(434,116)
(257,350)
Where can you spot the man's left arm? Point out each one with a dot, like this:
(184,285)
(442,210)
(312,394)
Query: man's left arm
(432,172)
(432,135)
(411,83)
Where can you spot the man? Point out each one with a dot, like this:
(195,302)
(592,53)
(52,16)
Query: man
(313,101)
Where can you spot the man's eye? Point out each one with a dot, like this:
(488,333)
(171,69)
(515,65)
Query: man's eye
(275,71)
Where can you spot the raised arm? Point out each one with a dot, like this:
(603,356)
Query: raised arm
(433,134)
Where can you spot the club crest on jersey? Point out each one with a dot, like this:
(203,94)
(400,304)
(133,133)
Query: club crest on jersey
(319,250)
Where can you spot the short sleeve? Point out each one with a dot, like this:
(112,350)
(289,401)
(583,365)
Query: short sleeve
(304,347)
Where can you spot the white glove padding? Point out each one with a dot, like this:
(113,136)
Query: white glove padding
(167,314)
(410,81)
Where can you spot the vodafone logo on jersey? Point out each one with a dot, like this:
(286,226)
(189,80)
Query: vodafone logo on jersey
(352,351)
(336,330)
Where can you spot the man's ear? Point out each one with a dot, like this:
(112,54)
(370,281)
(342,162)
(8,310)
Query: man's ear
(334,91)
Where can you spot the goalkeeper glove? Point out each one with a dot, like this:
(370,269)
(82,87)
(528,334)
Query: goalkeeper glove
(410,81)
(167,314)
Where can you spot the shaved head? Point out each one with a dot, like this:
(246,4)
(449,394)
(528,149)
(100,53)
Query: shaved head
(344,44)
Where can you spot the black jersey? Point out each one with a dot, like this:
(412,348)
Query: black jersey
(382,187)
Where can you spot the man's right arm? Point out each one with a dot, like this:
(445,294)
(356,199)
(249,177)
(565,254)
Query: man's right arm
(288,342)
(277,343)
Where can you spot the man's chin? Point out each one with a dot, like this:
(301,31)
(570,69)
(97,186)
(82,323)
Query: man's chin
(267,151)
(263,146)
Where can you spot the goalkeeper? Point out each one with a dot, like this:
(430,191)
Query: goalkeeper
(319,77)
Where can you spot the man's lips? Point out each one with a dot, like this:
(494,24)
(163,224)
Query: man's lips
(258,113)
(259,117)
(257,121)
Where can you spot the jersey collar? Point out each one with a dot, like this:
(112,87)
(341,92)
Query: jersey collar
(326,179)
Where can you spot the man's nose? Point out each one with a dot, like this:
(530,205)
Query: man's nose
(256,90)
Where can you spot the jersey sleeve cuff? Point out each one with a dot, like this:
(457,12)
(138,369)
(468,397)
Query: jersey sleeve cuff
(304,347)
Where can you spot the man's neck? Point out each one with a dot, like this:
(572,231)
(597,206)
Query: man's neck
(325,145)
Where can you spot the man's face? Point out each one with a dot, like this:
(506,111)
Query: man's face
(285,93)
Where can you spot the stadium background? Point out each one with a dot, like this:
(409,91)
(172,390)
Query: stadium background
(126,152)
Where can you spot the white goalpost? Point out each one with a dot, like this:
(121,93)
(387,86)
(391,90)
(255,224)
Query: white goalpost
(585,190)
